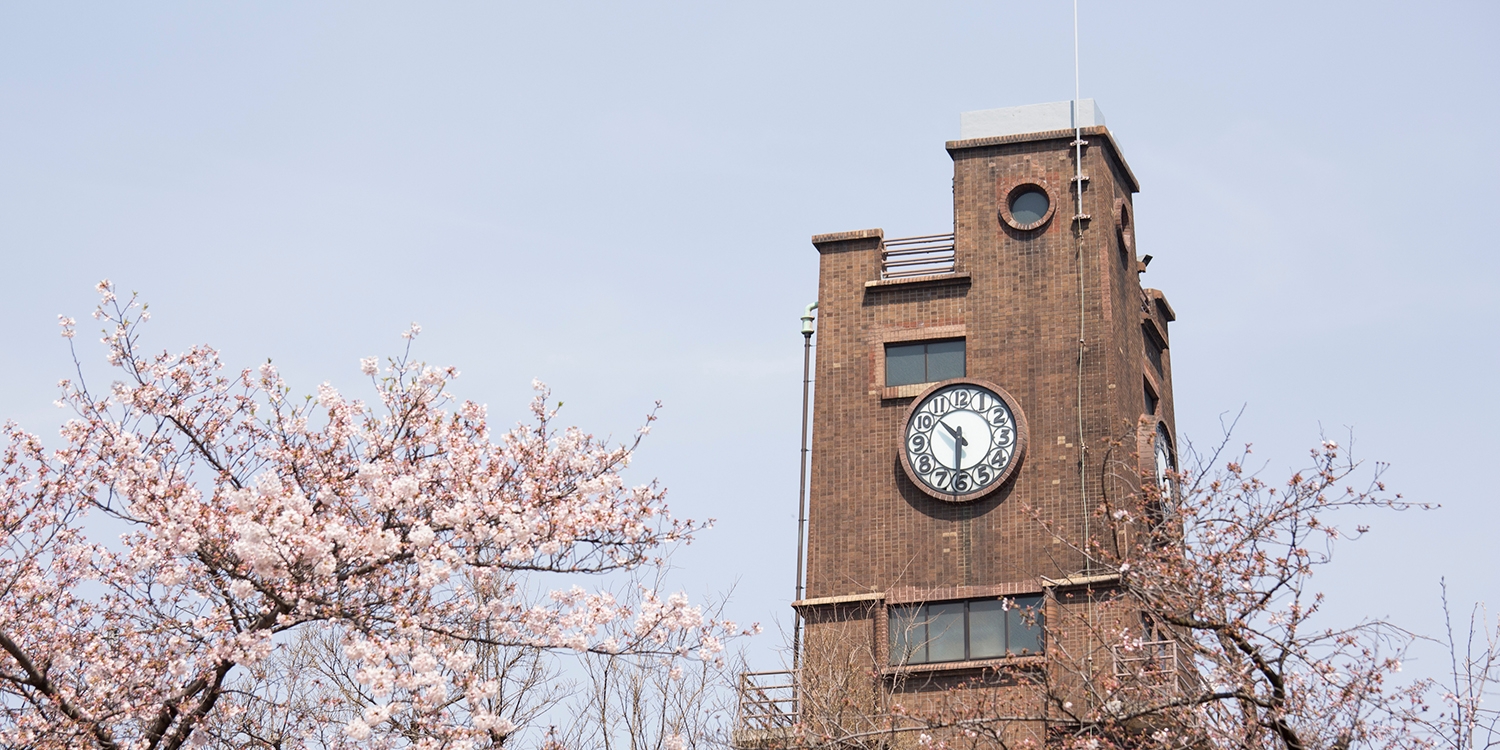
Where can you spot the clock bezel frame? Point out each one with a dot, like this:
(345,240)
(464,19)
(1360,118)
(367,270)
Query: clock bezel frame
(1017,456)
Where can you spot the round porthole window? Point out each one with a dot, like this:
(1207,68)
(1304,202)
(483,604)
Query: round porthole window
(1029,207)
(1026,206)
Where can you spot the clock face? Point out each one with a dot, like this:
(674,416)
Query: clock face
(962,440)
(1164,464)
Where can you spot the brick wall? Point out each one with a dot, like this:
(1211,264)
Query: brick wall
(1016,299)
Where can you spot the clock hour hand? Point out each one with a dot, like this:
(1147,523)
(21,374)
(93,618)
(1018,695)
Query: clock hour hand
(958,454)
(957,433)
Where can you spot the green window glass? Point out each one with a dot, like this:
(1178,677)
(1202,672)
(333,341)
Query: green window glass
(905,364)
(1023,628)
(987,629)
(945,631)
(908,643)
(924,362)
(964,631)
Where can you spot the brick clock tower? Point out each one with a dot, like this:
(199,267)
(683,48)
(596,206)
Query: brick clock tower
(980,396)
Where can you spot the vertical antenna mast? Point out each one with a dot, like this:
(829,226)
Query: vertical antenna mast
(1078,220)
(1078,225)
(1077,124)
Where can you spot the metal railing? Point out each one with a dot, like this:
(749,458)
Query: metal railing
(1151,665)
(769,708)
(928,255)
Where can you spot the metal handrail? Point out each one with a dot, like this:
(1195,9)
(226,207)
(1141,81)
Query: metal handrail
(1159,654)
(768,700)
(926,255)
(1154,666)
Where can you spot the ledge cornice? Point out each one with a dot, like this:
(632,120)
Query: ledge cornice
(858,234)
(1048,135)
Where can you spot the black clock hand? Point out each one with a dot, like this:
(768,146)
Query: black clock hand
(957,433)
(958,454)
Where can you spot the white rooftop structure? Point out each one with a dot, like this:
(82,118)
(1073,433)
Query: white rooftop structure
(1031,118)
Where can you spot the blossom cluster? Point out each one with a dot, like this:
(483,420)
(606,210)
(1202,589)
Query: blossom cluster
(404,527)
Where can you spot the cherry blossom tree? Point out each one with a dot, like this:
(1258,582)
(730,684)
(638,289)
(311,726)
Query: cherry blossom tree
(1215,569)
(1454,713)
(1194,623)
(193,523)
(644,702)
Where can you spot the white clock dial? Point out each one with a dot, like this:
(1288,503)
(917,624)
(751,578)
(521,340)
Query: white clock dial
(1164,463)
(960,439)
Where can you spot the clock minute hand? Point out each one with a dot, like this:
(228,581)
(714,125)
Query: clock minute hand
(958,452)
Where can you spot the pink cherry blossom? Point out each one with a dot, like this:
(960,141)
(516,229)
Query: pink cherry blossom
(192,522)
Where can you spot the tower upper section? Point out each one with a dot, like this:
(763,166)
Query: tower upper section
(1035,297)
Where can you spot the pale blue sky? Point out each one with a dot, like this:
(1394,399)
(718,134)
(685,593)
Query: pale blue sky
(617,198)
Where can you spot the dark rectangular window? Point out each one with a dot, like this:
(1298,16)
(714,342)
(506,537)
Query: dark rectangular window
(924,362)
(1154,347)
(1150,398)
(964,631)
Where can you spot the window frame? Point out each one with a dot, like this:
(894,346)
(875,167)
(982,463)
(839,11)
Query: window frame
(880,337)
(893,613)
(1007,192)
(926,345)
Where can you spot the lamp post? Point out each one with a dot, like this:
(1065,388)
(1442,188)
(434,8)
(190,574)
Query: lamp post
(807,335)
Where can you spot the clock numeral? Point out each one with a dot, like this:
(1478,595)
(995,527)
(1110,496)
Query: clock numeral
(961,482)
(925,422)
(917,443)
(924,464)
(1005,436)
(940,478)
(981,402)
(982,474)
(961,399)
(999,458)
(940,405)
(998,416)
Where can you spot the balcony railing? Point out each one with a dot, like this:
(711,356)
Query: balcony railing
(1153,666)
(769,709)
(906,257)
